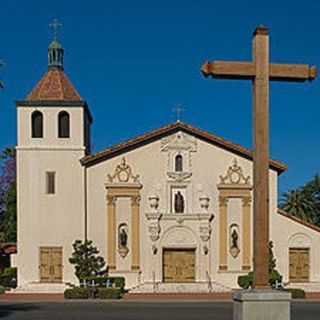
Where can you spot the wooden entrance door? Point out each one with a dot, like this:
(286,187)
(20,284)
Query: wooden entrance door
(178,265)
(50,264)
(299,264)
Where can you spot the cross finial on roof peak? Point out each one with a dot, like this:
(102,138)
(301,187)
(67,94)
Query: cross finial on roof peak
(55,25)
(178,110)
(55,51)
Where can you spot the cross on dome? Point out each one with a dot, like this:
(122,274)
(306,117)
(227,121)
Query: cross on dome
(55,25)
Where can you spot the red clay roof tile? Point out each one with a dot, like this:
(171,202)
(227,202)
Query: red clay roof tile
(54,85)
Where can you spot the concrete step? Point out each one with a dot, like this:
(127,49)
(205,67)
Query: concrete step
(195,287)
(40,288)
(306,286)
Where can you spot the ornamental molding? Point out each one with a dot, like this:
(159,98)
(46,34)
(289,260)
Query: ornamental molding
(179,176)
(182,144)
(179,141)
(123,174)
(205,231)
(154,227)
(188,216)
(234,176)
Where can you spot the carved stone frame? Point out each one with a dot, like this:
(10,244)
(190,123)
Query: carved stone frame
(115,191)
(235,188)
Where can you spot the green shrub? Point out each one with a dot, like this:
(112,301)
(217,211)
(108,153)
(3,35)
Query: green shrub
(296,293)
(77,293)
(274,278)
(246,281)
(119,282)
(8,278)
(109,293)
(2,290)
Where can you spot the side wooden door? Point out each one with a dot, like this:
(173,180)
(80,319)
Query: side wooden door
(299,264)
(44,264)
(50,264)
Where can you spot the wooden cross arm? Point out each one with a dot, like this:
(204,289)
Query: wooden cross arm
(246,70)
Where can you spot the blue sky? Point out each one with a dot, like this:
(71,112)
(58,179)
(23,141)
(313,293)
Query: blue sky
(133,61)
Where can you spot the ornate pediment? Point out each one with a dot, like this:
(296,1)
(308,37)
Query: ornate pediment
(123,174)
(179,141)
(234,175)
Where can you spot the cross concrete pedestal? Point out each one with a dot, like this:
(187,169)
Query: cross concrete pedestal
(261,304)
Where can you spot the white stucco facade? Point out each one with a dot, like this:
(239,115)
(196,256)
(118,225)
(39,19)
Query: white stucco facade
(80,206)
(170,210)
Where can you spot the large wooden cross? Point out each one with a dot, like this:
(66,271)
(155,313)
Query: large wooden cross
(260,71)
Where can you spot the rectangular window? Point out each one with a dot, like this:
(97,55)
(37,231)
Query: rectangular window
(51,187)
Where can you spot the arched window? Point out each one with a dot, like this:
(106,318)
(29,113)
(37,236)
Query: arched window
(179,163)
(63,125)
(37,124)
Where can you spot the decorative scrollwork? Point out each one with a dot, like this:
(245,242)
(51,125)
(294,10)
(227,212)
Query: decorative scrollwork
(123,173)
(234,175)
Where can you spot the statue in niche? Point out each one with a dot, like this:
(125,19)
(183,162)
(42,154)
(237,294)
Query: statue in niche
(178,202)
(234,241)
(123,240)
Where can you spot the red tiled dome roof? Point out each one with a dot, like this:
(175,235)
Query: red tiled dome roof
(54,85)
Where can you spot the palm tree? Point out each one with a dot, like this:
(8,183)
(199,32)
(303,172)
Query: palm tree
(299,203)
(313,189)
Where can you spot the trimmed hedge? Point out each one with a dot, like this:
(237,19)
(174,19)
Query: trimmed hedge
(109,293)
(99,293)
(2,290)
(296,293)
(8,278)
(77,293)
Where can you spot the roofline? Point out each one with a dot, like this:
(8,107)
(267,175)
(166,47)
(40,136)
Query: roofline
(153,135)
(55,103)
(298,220)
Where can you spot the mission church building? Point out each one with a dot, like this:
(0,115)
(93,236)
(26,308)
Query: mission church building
(170,210)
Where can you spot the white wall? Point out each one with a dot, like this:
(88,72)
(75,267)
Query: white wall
(46,219)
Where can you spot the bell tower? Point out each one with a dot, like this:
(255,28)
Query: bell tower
(53,124)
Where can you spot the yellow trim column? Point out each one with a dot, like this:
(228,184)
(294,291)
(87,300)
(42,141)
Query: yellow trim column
(135,226)
(246,233)
(111,235)
(223,205)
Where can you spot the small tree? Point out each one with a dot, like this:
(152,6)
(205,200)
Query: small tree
(275,277)
(8,201)
(86,260)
